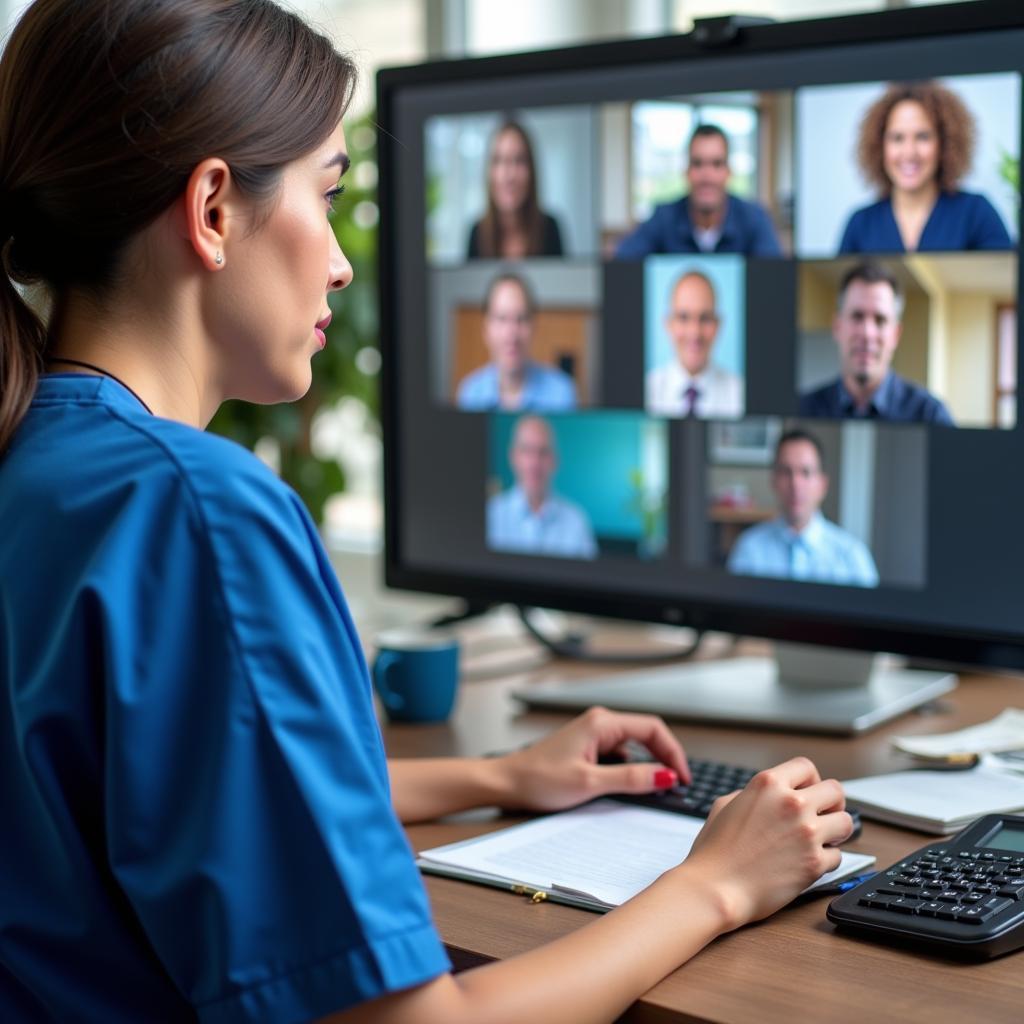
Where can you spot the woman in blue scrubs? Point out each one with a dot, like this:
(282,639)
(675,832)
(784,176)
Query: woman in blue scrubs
(916,146)
(200,823)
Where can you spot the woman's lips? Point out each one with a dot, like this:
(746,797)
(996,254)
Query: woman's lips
(321,330)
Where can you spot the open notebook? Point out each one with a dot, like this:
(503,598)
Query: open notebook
(595,856)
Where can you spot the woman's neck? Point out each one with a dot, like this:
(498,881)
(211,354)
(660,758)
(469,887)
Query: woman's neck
(133,349)
(911,210)
(915,200)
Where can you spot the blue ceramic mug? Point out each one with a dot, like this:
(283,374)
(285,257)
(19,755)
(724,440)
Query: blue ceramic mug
(416,673)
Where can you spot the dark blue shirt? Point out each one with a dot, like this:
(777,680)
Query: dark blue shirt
(198,824)
(746,229)
(896,399)
(959,220)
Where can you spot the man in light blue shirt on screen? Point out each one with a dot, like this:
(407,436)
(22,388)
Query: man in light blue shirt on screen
(512,380)
(529,518)
(802,544)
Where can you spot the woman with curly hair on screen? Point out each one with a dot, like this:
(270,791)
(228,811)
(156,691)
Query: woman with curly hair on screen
(916,144)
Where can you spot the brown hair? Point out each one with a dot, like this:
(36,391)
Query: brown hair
(106,107)
(952,122)
(871,273)
(531,221)
(509,278)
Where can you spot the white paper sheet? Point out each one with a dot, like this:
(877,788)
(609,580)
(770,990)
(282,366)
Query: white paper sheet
(606,850)
(1004,732)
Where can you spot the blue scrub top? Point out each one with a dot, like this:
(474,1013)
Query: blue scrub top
(198,820)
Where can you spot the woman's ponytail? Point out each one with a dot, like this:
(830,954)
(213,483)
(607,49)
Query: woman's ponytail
(21,345)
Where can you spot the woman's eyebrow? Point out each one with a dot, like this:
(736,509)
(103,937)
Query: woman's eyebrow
(340,159)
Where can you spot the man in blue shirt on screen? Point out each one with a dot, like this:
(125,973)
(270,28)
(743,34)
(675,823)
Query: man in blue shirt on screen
(529,518)
(802,544)
(867,329)
(512,379)
(709,218)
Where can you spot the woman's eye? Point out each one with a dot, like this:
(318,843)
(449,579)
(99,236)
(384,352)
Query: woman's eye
(332,196)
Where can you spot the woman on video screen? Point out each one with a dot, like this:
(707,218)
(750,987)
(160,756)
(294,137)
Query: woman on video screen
(915,146)
(513,226)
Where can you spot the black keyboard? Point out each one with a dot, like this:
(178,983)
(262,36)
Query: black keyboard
(711,779)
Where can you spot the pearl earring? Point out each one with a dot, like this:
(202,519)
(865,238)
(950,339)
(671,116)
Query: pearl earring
(218,259)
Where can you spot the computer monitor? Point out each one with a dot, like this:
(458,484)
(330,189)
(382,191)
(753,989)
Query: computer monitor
(717,330)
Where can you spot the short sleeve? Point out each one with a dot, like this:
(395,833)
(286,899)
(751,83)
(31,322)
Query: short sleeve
(249,822)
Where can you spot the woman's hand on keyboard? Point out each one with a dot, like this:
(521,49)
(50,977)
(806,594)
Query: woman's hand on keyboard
(765,844)
(562,769)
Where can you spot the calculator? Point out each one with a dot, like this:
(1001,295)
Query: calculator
(962,896)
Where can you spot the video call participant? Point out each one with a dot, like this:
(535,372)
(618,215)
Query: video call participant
(867,330)
(916,144)
(708,219)
(513,226)
(529,517)
(690,384)
(511,380)
(801,544)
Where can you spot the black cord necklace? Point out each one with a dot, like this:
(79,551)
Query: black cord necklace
(106,373)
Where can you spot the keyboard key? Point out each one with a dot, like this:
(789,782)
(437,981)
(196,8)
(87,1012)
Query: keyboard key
(932,908)
(1012,892)
(973,915)
(905,905)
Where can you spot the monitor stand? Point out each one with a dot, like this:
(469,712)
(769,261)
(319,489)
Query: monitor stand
(802,689)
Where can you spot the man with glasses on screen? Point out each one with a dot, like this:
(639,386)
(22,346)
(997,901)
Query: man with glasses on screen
(529,518)
(801,544)
(867,328)
(512,379)
(708,218)
(689,384)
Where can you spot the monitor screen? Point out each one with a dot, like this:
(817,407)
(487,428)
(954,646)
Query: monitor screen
(718,336)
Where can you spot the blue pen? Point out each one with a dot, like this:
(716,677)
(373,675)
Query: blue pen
(838,888)
(845,885)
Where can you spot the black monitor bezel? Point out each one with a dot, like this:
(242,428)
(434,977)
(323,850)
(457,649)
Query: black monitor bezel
(973,648)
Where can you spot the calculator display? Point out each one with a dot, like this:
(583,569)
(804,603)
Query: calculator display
(1005,837)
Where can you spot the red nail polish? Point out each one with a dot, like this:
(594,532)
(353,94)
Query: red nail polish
(664,778)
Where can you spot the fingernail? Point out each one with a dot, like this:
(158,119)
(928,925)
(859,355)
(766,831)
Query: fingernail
(664,778)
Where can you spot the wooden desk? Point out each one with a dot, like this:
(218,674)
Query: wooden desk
(793,967)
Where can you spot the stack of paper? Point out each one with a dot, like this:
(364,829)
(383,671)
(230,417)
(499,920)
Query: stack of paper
(596,856)
(940,802)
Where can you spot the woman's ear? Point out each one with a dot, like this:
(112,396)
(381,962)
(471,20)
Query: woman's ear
(207,202)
